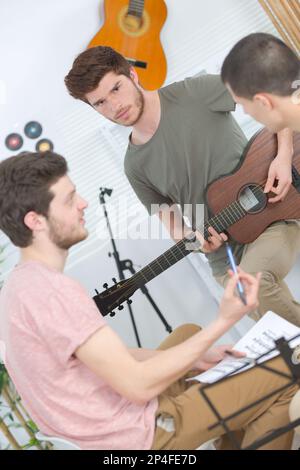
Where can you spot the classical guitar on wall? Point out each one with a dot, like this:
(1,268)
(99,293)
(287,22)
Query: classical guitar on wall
(238,206)
(132,27)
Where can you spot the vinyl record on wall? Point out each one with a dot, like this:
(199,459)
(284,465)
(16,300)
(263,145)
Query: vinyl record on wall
(33,129)
(43,145)
(14,141)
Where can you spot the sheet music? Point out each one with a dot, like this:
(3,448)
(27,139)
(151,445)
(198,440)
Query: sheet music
(258,340)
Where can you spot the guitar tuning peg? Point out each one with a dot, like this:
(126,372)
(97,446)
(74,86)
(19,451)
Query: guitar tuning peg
(112,314)
(114,280)
(129,301)
(105,285)
(120,307)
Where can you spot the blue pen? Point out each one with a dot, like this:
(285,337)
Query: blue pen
(240,287)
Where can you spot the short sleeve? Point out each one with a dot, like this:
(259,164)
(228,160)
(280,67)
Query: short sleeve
(210,89)
(66,320)
(148,196)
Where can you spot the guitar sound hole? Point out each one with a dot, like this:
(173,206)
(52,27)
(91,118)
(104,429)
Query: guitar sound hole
(131,25)
(252,198)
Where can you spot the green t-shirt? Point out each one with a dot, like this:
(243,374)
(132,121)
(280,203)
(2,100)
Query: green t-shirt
(197,141)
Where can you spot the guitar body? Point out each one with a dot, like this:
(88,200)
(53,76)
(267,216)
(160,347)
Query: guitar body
(140,42)
(253,169)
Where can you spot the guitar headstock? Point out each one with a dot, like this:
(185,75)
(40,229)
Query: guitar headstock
(114,296)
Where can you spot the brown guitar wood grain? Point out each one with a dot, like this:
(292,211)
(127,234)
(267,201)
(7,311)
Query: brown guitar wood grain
(253,168)
(143,45)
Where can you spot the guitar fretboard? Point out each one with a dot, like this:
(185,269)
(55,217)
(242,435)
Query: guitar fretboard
(220,222)
(136,8)
(165,261)
(224,219)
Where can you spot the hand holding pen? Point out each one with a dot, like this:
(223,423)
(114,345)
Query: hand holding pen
(231,308)
(240,287)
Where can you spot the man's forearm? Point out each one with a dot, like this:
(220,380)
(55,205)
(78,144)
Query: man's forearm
(285,145)
(141,354)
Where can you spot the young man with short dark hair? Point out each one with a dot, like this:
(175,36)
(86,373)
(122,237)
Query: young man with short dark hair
(75,376)
(263,75)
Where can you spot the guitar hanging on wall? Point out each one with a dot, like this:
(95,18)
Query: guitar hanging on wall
(237,204)
(132,28)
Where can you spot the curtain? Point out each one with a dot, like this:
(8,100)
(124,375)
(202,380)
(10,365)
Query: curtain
(285,15)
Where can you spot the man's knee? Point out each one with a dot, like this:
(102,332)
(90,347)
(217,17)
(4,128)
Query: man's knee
(267,282)
(180,334)
(187,330)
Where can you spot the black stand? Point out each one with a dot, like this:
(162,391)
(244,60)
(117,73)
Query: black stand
(293,363)
(123,265)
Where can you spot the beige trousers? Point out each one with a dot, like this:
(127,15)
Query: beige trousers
(273,254)
(182,404)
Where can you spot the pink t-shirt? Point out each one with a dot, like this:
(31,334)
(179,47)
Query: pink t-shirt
(44,317)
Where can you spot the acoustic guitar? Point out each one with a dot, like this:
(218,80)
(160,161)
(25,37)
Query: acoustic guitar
(132,28)
(238,206)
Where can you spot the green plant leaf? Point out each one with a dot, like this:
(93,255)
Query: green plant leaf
(33,442)
(4,377)
(32,426)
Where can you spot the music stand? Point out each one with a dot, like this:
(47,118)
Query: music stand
(286,353)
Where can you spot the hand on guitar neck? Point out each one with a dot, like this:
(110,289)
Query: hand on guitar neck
(171,218)
(213,243)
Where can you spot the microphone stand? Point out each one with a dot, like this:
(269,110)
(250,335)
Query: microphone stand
(123,265)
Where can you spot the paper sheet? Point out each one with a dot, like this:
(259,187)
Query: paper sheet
(258,340)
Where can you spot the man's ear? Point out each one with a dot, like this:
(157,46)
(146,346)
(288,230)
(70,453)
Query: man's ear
(134,75)
(35,222)
(264,100)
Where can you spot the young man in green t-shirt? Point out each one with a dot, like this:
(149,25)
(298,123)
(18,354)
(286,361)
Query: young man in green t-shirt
(183,137)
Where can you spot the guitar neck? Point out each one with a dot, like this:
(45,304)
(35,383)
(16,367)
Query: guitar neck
(136,8)
(227,217)
(184,247)
(165,261)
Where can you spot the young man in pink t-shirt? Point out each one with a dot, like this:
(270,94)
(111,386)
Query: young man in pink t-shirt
(75,376)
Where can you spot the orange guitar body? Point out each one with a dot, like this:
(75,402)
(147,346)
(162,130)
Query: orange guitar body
(140,42)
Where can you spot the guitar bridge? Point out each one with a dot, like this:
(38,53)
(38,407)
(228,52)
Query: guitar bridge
(137,63)
(296,178)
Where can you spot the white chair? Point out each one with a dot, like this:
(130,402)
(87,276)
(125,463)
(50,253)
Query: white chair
(209,445)
(57,442)
(62,444)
